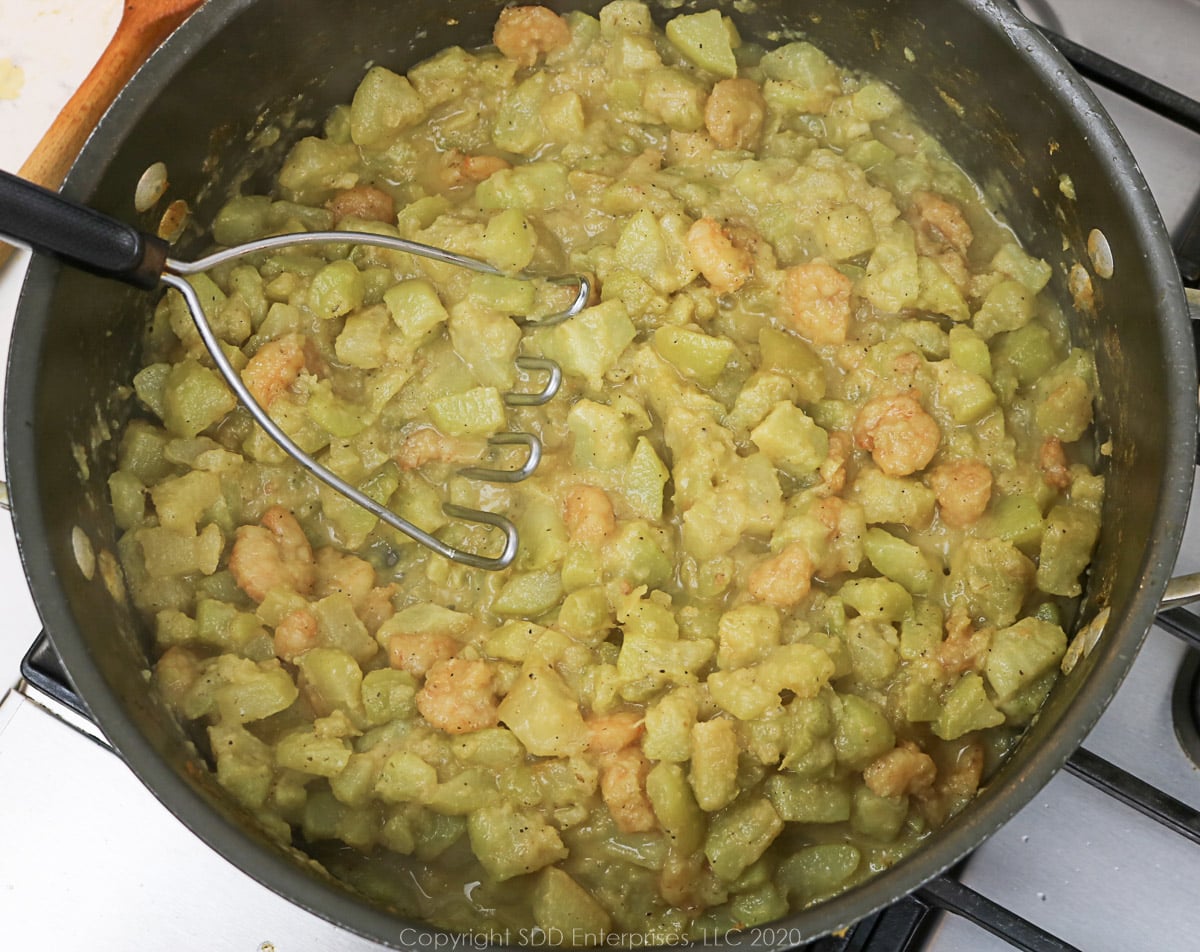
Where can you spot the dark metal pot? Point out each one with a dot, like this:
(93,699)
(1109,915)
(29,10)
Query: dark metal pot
(1005,104)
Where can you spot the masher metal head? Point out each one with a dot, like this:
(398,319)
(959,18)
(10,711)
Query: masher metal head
(87,239)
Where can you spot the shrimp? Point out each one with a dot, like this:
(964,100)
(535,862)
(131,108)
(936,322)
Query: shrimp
(459,696)
(274,367)
(377,607)
(525,33)
(417,652)
(902,770)
(955,787)
(612,732)
(363,201)
(349,575)
(818,301)
(965,647)
(940,223)
(712,251)
(900,436)
(833,470)
(1052,461)
(963,489)
(623,787)
(588,514)
(783,580)
(460,169)
(295,634)
(427,445)
(734,114)
(273,554)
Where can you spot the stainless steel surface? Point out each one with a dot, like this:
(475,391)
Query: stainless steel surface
(81,836)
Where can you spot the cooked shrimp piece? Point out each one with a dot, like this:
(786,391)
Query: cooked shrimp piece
(525,33)
(904,769)
(818,302)
(295,634)
(377,607)
(417,652)
(955,265)
(609,733)
(427,445)
(1052,461)
(339,572)
(734,114)
(362,201)
(588,514)
(965,647)
(458,168)
(954,787)
(900,436)
(623,786)
(273,554)
(940,222)
(963,489)
(274,367)
(459,696)
(783,580)
(833,470)
(724,266)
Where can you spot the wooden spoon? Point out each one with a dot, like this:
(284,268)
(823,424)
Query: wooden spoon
(144,25)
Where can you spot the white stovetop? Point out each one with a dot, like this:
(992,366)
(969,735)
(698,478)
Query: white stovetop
(89,861)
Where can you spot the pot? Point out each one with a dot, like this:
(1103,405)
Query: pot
(221,102)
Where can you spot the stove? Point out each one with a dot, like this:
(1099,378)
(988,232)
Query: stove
(1106,857)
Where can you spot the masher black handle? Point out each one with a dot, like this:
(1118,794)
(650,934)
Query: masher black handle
(79,235)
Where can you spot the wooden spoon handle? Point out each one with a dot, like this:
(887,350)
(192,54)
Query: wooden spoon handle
(144,25)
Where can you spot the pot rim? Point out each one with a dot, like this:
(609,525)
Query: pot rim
(995,806)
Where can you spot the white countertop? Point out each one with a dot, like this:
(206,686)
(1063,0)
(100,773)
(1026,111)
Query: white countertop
(47,48)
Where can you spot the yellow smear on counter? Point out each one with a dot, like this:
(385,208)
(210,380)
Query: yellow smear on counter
(12,79)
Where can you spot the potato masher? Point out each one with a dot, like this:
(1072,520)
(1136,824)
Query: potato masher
(87,239)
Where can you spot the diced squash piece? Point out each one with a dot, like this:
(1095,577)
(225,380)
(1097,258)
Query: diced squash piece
(543,713)
(698,356)
(384,103)
(1067,544)
(799,800)
(705,39)
(878,599)
(1009,305)
(310,753)
(590,344)
(511,842)
(862,732)
(994,576)
(893,499)
(415,308)
(476,412)
(816,871)
(791,440)
(529,595)
(790,355)
(738,836)
(899,560)
(561,907)
(194,398)
(1020,654)
(603,438)
(966,708)
(714,764)
(336,290)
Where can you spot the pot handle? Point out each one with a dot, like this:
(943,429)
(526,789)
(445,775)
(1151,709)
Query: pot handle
(85,238)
